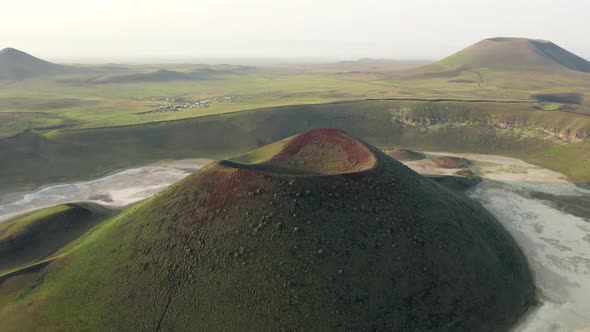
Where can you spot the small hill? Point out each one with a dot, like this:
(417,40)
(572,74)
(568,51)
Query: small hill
(515,54)
(18,65)
(317,232)
(36,235)
(161,75)
(367,65)
(406,155)
(451,162)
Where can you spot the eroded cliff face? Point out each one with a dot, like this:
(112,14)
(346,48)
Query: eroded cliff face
(431,119)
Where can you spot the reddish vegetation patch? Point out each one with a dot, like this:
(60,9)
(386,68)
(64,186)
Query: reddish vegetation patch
(451,162)
(315,152)
(311,146)
(406,155)
(228,181)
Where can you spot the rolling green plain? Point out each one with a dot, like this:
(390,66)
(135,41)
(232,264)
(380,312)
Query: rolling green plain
(70,103)
(79,125)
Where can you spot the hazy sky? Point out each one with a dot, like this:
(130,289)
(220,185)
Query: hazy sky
(345,29)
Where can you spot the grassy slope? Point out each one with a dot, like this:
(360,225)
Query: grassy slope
(518,55)
(107,105)
(206,235)
(117,104)
(510,54)
(16,65)
(34,236)
(511,69)
(31,160)
(47,103)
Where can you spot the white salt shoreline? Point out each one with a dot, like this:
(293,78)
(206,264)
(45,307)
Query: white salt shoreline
(557,244)
(115,190)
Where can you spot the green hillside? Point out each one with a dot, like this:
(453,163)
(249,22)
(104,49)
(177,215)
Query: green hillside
(234,247)
(18,65)
(517,54)
(84,97)
(36,235)
(519,130)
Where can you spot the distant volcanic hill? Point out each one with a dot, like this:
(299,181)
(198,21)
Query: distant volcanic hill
(18,65)
(319,231)
(162,75)
(509,54)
